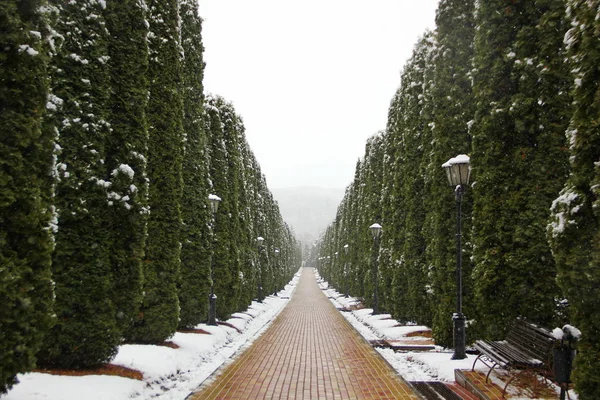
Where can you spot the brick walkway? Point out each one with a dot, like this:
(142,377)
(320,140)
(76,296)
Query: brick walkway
(309,352)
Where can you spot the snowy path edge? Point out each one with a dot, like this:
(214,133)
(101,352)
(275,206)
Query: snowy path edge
(169,374)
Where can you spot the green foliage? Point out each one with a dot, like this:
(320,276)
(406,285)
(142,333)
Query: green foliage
(159,313)
(105,153)
(194,285)
(574,229)
(509,114)
(246,212)
(85,332)
(225,267)
(451,96)
(519,162)
(25,188)
(126,154)
(414,130)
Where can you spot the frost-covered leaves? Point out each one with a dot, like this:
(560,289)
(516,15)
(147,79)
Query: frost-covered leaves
(389,188)
(574,229)
(126,154)
(451,94)
(159,313)
(85,333)
(225,131)
(415,138)
(247,211)
(518,158)
(509,113)
(219,115)
(25,187)
(93,141)
(194,285)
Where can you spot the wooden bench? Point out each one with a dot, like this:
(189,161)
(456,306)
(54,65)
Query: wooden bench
(527,346)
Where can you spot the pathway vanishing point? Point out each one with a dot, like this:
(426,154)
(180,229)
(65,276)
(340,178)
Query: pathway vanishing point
(309,352)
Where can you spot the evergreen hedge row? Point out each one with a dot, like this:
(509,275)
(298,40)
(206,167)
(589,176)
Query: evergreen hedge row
(574,229)
(503,83)
(85,331)
(159,312)
(26,178)
(108,156)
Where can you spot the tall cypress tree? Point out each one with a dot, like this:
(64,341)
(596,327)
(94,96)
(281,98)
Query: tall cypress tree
(195,251)
(373,164)
(386,265)
(227,279)
(518,160)
(252,182)
(452,111)
(126,153)
(219,176)
(574,230)
(392,211)
(415,148)
(246,220)
(247,211)
(403,186)
(85,333)
(361,244)
(159,313)
(25,187)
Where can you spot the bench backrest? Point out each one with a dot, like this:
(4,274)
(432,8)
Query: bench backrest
(532,340)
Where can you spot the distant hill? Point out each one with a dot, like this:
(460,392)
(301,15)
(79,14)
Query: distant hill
(308,210)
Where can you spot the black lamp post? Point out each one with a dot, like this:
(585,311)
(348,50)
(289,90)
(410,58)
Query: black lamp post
(260,240)
(458,171)
(376,232)
(346,270)
(214,201)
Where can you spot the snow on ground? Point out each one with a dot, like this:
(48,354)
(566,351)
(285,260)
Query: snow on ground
(426,365)
(98,387)
(169,374)
(431,365)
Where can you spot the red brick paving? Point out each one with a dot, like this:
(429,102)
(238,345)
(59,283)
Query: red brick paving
(310,352)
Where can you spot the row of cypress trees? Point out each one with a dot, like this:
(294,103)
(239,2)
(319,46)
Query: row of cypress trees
(109,151)
(515,86)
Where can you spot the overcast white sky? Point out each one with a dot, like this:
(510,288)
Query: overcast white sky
(312,79)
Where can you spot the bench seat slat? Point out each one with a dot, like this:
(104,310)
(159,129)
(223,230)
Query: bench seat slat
(506,355)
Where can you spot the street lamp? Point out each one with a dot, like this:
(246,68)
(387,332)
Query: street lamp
(214,201)
(376,232)
(260,240)
(346,269)
(458,172)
